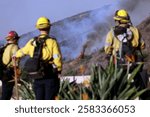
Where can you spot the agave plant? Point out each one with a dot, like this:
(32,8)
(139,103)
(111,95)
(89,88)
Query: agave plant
(111,83)
(26,91)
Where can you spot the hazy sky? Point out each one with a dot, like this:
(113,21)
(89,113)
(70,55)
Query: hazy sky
(21,15)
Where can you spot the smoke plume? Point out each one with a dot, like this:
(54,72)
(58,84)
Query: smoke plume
(87,31)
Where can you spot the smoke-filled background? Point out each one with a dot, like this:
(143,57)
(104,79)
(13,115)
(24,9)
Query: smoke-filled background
(87,31)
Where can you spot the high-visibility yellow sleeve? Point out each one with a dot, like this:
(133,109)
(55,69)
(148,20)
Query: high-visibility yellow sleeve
(108,43)
(142,43)
(57,56)
(24,51)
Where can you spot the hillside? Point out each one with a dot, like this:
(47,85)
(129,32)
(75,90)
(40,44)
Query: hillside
(72,33)
(144,28)
(75,66)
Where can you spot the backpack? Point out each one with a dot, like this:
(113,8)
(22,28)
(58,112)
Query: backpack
(33,66)
(2,66)
(126,51)
(1,62)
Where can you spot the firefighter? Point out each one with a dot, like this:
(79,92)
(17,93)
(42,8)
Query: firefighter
(8,73)
(125,43)
(122,32)
(46,84)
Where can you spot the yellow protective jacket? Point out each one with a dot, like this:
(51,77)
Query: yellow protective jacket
(9,51)
(112,44)
(50,52)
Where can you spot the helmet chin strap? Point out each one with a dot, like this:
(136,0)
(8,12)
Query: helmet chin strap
(11,41)
(45,32)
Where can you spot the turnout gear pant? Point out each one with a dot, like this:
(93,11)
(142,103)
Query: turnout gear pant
(46,89)
(7,86)
(7,90)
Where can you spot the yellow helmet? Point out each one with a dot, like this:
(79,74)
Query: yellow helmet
(43,23)
(122,16)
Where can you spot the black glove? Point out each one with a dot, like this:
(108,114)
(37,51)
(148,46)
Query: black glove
(55,71)
(59,72)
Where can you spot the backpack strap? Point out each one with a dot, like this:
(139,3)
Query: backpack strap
(43,40)
(39,45)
